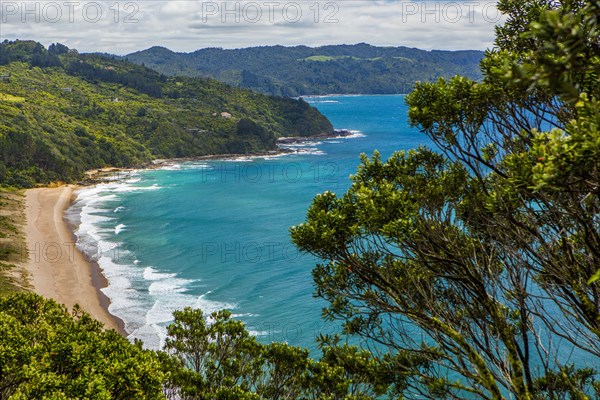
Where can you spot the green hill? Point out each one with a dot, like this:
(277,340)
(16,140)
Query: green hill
(62,113)
(301,70)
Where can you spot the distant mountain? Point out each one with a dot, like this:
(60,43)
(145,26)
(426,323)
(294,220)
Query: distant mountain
(301,70)
(62,113)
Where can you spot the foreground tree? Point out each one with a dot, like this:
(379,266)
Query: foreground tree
(479,257)
(46,352)
(220,352)
(215,357)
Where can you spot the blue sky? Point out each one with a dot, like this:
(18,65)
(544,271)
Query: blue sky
(121,27)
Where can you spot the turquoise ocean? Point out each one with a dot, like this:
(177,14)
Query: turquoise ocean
(215,234)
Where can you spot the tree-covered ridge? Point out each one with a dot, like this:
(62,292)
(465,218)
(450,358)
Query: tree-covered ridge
(62,113)
(301,70)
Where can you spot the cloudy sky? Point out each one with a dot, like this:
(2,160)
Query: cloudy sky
(121,27)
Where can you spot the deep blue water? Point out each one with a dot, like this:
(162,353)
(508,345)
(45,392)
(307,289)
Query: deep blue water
(216,234)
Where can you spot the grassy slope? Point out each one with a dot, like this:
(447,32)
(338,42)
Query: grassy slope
(12,278)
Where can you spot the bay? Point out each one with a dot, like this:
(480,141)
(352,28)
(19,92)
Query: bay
(215,234)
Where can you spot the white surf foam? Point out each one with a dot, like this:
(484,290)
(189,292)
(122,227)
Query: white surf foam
(186,166)
(151,274)
(172,167)
(173,285)
(119,228)
(200,166)
(311,151)
(303,144)
(152,335)
(210,306)
(144,297)
(354,134)
(239,159)
(129,188)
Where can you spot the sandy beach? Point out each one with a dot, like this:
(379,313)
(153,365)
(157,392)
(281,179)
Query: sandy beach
(57,270)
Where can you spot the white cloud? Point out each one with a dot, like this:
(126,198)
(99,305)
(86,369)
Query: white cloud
(121,27)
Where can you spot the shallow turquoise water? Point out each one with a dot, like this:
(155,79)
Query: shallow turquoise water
(216,234)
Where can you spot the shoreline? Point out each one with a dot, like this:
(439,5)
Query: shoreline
(109,174)
(56,268)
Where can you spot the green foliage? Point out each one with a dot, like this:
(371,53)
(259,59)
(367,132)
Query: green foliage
(566,382)
(595,277)
(221,353)
(91,111)
(20,50)
(224,362)
(477,257)
(297,71)
(45,352)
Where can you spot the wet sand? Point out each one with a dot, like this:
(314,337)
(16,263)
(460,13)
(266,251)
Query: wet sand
(57,270)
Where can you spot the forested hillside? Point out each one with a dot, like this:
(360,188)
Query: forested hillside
(301,70)
(62,113)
